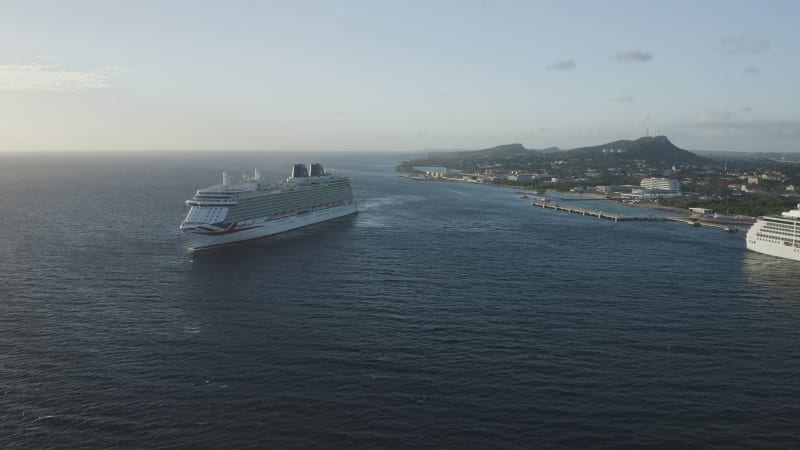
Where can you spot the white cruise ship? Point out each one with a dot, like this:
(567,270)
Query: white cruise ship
(777,235)
(227,213)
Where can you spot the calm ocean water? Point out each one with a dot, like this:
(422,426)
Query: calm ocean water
(443,315)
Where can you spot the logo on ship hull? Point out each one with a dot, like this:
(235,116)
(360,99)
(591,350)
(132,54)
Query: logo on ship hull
(218,230)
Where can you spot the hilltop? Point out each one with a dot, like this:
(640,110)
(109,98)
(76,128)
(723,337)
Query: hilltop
(500,151)
(650,149)
(655,150)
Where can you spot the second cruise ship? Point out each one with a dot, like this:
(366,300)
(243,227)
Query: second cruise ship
(777,235)
(227,213)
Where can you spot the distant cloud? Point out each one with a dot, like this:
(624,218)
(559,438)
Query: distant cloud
(439,95)
(623,99)
(749,128)
(53,77)
(566,64)
(633,56)
(716,115)
(745,109)
(752,70)
(743,44)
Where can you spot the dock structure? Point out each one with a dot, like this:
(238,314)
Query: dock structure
(592,212)
(703,223)
(622,217)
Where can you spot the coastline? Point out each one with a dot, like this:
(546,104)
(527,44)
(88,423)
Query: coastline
(718,220)
(689,215)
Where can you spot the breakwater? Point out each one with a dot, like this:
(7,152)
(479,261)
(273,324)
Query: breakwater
(616,217)
(593,212)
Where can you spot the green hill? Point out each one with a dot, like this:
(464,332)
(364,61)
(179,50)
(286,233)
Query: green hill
(651,149)
(501,151)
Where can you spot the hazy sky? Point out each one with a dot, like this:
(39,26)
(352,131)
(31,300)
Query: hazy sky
(397,75)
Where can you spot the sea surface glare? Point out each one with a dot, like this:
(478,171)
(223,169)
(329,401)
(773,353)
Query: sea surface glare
(443,315)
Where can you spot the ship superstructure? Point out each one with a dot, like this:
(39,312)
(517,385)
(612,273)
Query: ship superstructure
(227,213)
(777,235)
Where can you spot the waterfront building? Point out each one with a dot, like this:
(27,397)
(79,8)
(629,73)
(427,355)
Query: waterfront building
(662,184)
(653,188)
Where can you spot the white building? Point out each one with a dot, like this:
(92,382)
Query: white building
(522,178)
(653,188)
(661,184)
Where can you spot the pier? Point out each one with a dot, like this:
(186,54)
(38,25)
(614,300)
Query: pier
(592,212)
(704,223)
(729,227)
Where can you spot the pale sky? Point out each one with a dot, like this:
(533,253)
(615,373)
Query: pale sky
(397,75)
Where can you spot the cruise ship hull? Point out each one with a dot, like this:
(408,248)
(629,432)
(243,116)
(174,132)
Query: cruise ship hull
(778,250)
(204,237)
(781,247)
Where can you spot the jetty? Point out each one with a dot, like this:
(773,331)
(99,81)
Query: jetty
(693,221)
(593,212)
(703,223)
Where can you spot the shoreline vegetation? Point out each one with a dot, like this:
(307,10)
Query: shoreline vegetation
(711,218)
